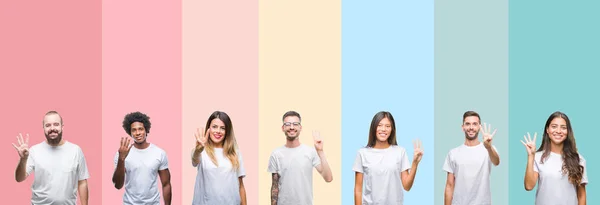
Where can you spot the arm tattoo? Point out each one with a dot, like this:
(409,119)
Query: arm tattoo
(275,189)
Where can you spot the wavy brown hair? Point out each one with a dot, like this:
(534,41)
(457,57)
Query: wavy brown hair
(570,157)
(373,130)
(229,142)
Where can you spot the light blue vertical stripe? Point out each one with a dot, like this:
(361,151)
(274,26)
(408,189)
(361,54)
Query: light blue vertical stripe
(387,64)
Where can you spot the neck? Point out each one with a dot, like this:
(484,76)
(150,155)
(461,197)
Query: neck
(292,143)
(473,142)
(142,145)
(62,141)
(381,145)
(218,145)
(556,148)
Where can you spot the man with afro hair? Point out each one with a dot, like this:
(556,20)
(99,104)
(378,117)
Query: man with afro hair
(141,162)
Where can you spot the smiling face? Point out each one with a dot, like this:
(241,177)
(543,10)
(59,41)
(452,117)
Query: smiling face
(384,129)
(557,130)
(471,127)
(138,132)
(53,128)
(291,127)
(217,132)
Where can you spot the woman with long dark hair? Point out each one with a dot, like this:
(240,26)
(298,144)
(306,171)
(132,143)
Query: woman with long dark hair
(559,168)
(382,166)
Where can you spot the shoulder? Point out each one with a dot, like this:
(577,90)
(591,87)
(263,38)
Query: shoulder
(277,151)
(157,149)
(398,148)
(456,149)
(72,147)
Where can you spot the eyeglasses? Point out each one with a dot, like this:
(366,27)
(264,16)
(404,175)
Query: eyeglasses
(288,124)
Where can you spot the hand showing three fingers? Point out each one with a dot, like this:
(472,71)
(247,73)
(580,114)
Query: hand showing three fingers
(418,147)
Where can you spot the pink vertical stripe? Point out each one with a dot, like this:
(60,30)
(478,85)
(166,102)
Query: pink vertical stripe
(50,55)
(141,71)
(220,72)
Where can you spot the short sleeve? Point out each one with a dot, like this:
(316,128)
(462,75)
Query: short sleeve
(164,161)
(316,160)
(241,172)
(448,164)
(30,166)
(536,160)
(273,164)
(82,171)
(582,162)
(358,165)
(403,161)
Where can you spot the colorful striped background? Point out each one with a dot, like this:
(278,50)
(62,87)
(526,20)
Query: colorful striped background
(335,62)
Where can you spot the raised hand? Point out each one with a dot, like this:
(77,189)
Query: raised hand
(529,144)
(487,137)
(318,141)
(201,137)
(125,147)
(23,147)
(418,147)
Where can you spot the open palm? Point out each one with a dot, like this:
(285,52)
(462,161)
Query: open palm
(23,146)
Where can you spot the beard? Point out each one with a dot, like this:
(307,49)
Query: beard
(56,140)
(472,138)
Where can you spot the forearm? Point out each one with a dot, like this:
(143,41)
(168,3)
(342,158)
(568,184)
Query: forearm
(166,188)
(83,192)
(243,195)
(196,155)
(275,189)
(325,166)
(448,195)
(530,179)
(493,156)
(119,174)
(411,176)
(21,172)
(357,196)
(581,195)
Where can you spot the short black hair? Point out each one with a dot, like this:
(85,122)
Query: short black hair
(136,117)
(291,113)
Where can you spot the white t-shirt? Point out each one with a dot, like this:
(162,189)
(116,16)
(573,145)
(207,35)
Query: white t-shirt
(471,166)
(57,171)
(141,171)
(294,165)
(218,185)
(381,168)
(554,188)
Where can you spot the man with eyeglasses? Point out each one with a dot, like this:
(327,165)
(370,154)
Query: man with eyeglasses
(291,165)
(470,164)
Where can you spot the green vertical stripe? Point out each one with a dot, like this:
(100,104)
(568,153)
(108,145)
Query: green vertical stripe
(554,62)
(471,73)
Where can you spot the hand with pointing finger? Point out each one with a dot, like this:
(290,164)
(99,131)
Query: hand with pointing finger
(487,136)
(529,143)
(201,138)
(125,147)
(23,147)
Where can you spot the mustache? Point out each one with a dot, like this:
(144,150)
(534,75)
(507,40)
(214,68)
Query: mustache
(53,131)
